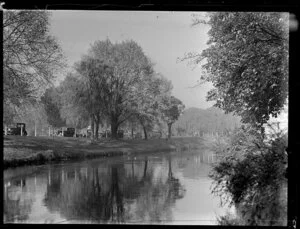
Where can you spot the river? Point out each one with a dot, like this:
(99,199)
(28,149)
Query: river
(158,188)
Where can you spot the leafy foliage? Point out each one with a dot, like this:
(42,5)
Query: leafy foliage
(250,173)
(152,89)
(171,108)
(52,108)
(115,82)
(247,62)
(112,73)
(30,55)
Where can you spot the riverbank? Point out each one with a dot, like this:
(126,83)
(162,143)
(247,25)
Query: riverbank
(30,150)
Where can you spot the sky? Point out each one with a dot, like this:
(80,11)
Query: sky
(163,36)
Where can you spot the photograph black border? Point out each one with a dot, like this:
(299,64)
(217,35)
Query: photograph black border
(263,6)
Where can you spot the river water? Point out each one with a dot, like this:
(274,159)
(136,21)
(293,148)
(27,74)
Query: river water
(158,188)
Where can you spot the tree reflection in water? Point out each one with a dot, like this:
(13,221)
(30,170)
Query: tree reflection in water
(154,205)
(95,197)
(114,194)
(16,207)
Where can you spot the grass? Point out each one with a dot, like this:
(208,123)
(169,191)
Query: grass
(20,150)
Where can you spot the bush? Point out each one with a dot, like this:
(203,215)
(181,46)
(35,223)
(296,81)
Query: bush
(230,220)
(250,173)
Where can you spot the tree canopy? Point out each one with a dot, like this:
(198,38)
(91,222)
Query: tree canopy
(31,57)
(112,74)
(52,108)
(73,104)
(171,108)
(152,90)
(247,62)
(115,84)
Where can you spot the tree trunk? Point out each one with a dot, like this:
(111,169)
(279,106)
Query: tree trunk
(114,131)
(145,167)
(262,131)
(97,128)
(92,127)
(132,168)
(132,132)
(170,174)
(169,130)
(145,133)
(114,128)
(144,128)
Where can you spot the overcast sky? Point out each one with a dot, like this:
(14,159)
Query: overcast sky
(164,36)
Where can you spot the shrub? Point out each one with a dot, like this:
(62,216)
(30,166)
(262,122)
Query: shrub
(250,173)
(230,220)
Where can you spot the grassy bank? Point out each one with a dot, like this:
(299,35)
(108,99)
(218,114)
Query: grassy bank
(20,151)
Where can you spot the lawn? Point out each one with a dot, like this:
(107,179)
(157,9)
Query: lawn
(20,150)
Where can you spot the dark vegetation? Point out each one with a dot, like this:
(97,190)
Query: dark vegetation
(251,175)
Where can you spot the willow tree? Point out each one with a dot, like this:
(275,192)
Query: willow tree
(124,65)
(247,62)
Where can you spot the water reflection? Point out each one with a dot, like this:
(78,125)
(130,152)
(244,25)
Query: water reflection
(144,189)
(18,203)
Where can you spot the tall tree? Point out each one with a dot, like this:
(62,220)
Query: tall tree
(79,105)
(247,62)
(124,64)
(52,108)
(31,56)
(171,108)
(94,77)
(151,89)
